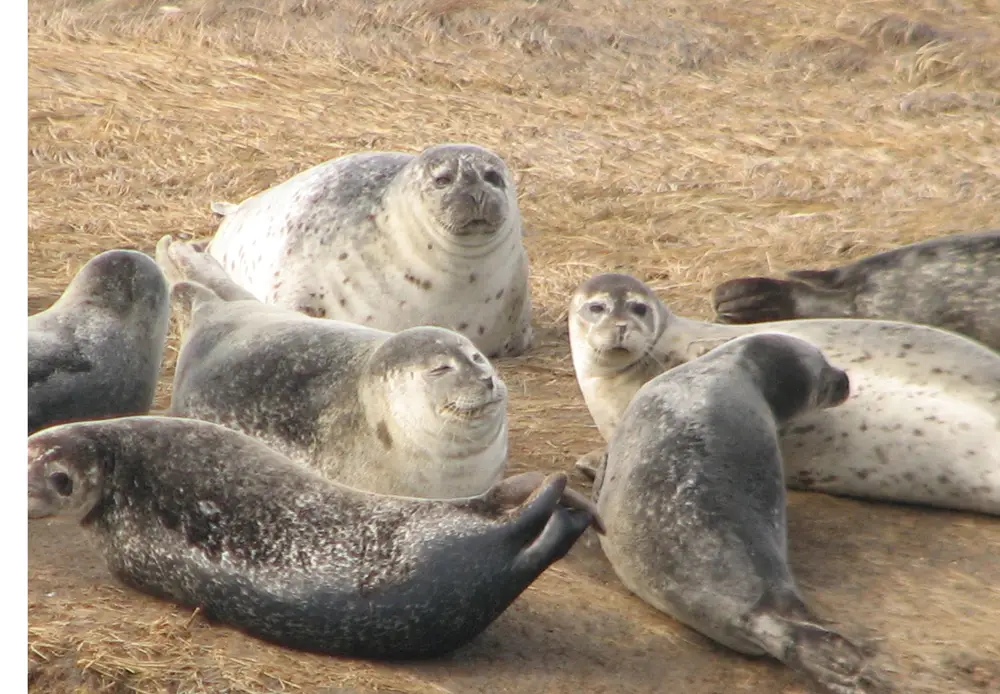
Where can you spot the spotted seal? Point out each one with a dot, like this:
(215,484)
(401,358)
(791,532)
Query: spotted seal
(196,513)
(417,413)
(392,241)
(952,282)
(96,351)
(922,426)
(692,497)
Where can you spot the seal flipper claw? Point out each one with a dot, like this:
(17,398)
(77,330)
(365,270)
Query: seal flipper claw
(516,489)
(564,528)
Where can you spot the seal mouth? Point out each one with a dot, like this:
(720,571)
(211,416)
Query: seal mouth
(478,225)
(457,411)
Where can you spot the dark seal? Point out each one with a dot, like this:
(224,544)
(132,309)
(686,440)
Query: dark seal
(207,517)
(951,282)
(96,351)
(693,498)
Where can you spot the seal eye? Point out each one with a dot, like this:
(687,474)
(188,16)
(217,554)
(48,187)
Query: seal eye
(62,483)
(596,308)
(493,178)
(639,309)
(443,180)
(441,370)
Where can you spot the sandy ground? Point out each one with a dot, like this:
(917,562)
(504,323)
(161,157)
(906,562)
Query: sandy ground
(683,143)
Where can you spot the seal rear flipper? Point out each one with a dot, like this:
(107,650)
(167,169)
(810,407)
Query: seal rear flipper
(188,261)
(754,300)
(804,644)
(516,489)
(564,528)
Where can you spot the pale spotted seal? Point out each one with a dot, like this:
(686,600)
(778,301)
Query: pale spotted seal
(693,501)
(952,282)
(202,515)
(391,241)
(96,351)
(418,413)
(922,427)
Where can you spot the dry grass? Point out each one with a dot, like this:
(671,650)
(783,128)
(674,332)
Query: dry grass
(683,142)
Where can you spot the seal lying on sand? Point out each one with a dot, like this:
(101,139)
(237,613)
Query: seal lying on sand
(417,413)
(923,425)
(202,515)
(391,241)
(951,282)
(96,352)
(694,503)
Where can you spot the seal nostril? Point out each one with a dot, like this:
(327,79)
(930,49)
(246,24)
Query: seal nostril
(488,382)
(61,483)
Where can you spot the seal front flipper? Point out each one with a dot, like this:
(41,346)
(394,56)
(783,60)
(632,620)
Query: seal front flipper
(762,299)
(785,628)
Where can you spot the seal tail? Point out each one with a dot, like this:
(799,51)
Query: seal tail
(223,209)
(806,645)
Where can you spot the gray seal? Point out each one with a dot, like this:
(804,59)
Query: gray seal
(693,500)
(204,516)
(390,240)
(417,413)
(952,282)
(96,351)
(923,426)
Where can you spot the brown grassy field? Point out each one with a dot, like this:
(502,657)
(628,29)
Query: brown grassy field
(684,142)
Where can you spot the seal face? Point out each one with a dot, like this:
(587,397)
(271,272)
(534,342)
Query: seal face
(202,515)
(417,413)
(96,351)
(923,426)
(951,282)
(391,241)
(694,502)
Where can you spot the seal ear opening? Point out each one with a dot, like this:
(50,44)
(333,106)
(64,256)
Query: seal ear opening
(61,483)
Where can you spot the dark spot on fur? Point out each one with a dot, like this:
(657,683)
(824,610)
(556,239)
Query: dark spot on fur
(909,476)
(369,319)
(402,304)
(803,429)
(342,256)
(472,278)
(907,345)
(936,370)
(499,294)
(830,478)
(413,279)
(463,326)
(343,302)
(430,246)
(943,479)
(864,426)
(314,311)
(382,432)
(863,474)
(426,284)
(482,330)
(918,432)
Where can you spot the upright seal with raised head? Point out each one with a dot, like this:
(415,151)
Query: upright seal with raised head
(202,515)
(923,425)
(693,500)
(952,282)
(96,351)
(391,241)
(418,413)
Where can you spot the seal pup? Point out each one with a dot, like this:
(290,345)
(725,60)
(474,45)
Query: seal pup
(96,351)
(952,282)
(418,413)
(392,241)
(207,517)
(923,425)
(693,501)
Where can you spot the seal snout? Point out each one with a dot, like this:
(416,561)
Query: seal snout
(839,389)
